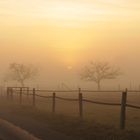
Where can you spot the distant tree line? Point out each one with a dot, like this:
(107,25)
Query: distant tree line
(95,72)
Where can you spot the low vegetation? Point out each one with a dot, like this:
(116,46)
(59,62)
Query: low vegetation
(73,126)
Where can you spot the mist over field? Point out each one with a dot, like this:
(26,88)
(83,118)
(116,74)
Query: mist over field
(69,69)
(63,65)
(60,41)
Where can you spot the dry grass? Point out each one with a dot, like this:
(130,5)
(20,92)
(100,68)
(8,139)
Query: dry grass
(99,123)
(77,128)
(106,115)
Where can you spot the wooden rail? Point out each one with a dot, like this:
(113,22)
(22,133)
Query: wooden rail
(81,100)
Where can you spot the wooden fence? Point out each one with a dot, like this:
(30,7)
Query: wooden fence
(81,100)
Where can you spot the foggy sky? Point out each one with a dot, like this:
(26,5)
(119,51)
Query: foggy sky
(60,46)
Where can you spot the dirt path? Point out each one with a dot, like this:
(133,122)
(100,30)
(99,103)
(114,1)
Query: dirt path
(37,128)
(8,131)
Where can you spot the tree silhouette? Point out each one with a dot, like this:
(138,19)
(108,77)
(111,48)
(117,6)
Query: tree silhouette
(99,71)
(21,73)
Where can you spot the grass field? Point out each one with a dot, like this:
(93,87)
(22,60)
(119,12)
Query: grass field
(99,121)
(106,115)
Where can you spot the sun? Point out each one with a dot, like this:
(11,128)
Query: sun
(69,67)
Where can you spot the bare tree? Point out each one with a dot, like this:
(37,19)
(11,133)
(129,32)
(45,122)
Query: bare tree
(99,71)
(21,73)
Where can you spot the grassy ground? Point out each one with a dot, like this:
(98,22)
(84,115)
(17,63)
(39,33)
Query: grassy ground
(77,129)
(106,115)
(82,129)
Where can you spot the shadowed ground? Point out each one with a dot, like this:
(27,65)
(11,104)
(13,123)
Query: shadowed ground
(8,131)
(48,126)
(38,128)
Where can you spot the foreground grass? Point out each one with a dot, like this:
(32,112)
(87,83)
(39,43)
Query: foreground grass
(75,127)
(72,126)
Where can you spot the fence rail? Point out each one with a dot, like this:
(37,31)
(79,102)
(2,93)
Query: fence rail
(101,103)
(66,99)
(41,96)
(133,106)
(21,91)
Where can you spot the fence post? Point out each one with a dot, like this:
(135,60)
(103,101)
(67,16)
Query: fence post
(20,96)
(27,92)
(1,91)
(11,91)
(123,110)
(34,97)
(80,103)
(53,105)
(8,92)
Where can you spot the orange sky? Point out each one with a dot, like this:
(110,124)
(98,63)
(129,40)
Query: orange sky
(69,33)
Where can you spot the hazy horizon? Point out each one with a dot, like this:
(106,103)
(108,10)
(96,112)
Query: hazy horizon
(61,37)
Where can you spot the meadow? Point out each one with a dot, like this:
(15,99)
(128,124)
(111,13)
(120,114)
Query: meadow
(106,115)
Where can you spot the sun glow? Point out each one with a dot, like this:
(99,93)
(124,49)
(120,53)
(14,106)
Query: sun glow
(69,28)
(63,12)
(72,13)
(67,10)
(77,14)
